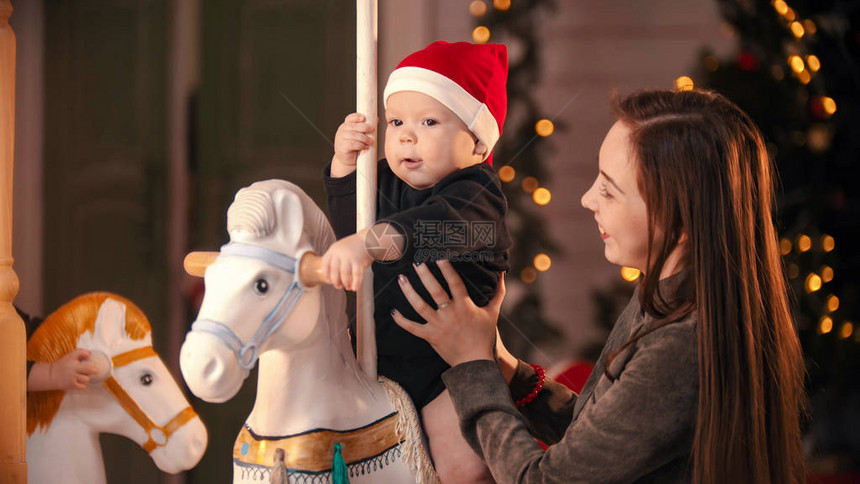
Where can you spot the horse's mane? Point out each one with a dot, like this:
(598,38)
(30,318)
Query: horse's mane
(253,213)
(59,335)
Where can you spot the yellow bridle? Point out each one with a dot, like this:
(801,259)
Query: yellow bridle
(158,436)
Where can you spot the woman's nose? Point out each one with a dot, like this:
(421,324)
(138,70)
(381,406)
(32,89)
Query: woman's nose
(587,200)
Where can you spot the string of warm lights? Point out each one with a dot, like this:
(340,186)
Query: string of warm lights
(543,128)
(803,66)
(815,281)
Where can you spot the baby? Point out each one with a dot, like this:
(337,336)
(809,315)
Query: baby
(438,198)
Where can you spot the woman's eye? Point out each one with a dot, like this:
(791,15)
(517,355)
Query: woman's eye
(261,286)
(146,379)
(604,192)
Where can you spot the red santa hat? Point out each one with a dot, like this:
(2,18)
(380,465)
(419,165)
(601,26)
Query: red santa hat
(469,79)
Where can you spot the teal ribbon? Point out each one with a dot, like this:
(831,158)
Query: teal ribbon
(339,473)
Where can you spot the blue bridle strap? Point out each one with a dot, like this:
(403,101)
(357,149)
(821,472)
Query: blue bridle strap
(247,353)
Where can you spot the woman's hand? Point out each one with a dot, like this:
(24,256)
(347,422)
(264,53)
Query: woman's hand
(459,330)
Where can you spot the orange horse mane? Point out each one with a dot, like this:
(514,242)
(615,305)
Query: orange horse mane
(59,335)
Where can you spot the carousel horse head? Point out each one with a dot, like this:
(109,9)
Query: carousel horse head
(133,395)
(254,300)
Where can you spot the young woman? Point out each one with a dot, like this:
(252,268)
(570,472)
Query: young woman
(701,377)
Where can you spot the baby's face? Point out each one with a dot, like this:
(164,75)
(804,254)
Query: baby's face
(425,141)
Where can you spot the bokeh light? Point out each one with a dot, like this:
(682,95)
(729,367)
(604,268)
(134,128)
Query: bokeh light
(832,303)
(544,127)
(828,243)
(477,8)
(796,63)
(630,274)
(542,262)
(711,63)
(793,271)
(530,184)
(542,196)
(826,273)
(780,6)
(502,4)
(804,243)
(828,104)
(528,275)
(797,29)
(825,325)
(684,83)
(813,63)
(507,173)
(481,34)
(784,246)
(847,330)
(813,282)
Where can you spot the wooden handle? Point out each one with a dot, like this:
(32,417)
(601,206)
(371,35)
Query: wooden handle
(196,262)
(310,270)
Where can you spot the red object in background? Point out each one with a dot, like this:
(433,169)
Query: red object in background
(842,478)
(816,107)
(573,377)
(747,61)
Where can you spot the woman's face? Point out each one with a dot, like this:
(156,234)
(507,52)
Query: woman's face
(618,207)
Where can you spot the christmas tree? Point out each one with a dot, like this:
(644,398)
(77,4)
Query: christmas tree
(519,159)
(797,73)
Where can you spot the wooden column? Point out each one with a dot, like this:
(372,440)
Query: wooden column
(13,408)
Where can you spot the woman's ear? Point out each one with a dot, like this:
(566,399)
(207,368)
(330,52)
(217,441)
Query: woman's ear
(480,148)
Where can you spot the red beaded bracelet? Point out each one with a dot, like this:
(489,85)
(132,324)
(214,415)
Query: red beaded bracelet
(538,387)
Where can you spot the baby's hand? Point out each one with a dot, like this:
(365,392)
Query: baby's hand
(345,261)
(352,137)
(71,371)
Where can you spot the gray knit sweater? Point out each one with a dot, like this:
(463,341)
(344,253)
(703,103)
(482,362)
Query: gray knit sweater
(637,428)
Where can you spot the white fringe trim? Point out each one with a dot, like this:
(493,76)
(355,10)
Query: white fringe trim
(408,427)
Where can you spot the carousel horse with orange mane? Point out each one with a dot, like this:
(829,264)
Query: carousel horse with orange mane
(133,395)
(332,421)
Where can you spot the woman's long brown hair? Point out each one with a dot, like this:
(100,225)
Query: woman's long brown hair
(706,179)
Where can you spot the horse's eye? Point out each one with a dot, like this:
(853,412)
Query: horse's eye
(146,379)
(261,286)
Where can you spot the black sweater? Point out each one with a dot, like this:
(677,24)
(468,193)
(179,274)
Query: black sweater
(462,219)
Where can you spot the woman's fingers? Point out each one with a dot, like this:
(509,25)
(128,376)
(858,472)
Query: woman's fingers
(437,292)
(417,302)
(419,330)
(455,283)
(495,304)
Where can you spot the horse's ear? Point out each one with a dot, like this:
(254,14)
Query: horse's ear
(110,322)
(291,219)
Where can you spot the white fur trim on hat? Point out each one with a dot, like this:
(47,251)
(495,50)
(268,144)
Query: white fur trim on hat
(474,113)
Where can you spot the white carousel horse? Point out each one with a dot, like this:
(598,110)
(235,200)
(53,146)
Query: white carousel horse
(313,401)
(134,395)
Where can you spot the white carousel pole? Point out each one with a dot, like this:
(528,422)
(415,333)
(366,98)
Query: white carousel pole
(13,340)
(365,87)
